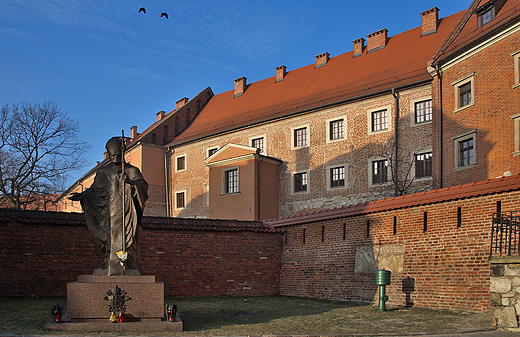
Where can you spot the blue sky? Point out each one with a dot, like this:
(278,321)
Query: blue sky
(110,67)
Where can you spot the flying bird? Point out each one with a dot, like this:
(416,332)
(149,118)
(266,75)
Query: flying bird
(142,10)
(164,14)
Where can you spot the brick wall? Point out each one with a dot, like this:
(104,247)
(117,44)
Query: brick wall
(444,267)
(40,252)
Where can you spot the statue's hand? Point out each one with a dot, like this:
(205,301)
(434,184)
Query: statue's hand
(126,179)
(76,197)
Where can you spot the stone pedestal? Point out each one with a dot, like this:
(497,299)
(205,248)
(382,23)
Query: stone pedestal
(85,298)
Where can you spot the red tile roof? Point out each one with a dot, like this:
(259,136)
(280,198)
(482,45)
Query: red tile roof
(467,31)
(401,63)
(491,186)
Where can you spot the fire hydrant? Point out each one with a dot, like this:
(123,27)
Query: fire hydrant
(382,280)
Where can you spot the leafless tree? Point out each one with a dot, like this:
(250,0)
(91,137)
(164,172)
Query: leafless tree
(39,147)
(401,171)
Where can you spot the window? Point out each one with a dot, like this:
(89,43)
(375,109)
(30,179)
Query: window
(230,181)
(336,176)
(180,163)
(379,120)
(300,182)
(379,171)
(258,143)
(465,150)
(464,92)
(212,151)
(180,200)
(516,66)
(486,15)
(516,121)
(423,165)
(300,137)
(423,111)
(336,130)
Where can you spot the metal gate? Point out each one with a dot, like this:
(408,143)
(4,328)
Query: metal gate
(505,234)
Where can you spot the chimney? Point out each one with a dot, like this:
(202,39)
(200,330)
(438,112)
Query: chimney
(377,40)
(280,73)
(240,86)
(430,21)
(359,46)
(321,60)
(133,132)
(180,103)
(160,115)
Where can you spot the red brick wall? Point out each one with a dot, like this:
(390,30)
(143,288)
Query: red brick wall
(39,256)
(448,264)
(496,100)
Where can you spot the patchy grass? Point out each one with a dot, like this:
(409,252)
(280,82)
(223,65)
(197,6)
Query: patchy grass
(274,315)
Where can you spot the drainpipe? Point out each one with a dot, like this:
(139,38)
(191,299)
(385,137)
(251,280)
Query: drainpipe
(258,187)
(441,145)
(167,156)
(396,134)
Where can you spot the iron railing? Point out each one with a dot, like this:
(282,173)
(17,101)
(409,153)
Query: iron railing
(505,234)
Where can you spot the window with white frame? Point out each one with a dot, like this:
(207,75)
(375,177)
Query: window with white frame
(379,171)
(464,92)
(423,111)
(180,163)
(336,129)
(180,199)
(379,120)
(516,122)
(336,176)
(423,165)
(300,182)
(258,143)
(230,181)
(465,150)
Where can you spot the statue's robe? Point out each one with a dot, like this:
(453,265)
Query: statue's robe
(103,207)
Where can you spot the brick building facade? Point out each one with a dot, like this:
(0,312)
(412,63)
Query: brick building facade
(388,118)
(476,91)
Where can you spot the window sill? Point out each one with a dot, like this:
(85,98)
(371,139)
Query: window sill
(229,194)
(516,153)
(422,123)
(423,178)
(299,147)
(464,107)
(516,85)
(336,188)
(460,168)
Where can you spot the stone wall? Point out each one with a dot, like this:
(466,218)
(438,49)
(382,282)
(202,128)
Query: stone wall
(505,290)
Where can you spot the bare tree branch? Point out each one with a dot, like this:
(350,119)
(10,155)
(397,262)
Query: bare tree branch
(39,146)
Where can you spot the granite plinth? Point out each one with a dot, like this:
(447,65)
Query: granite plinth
(85,298)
